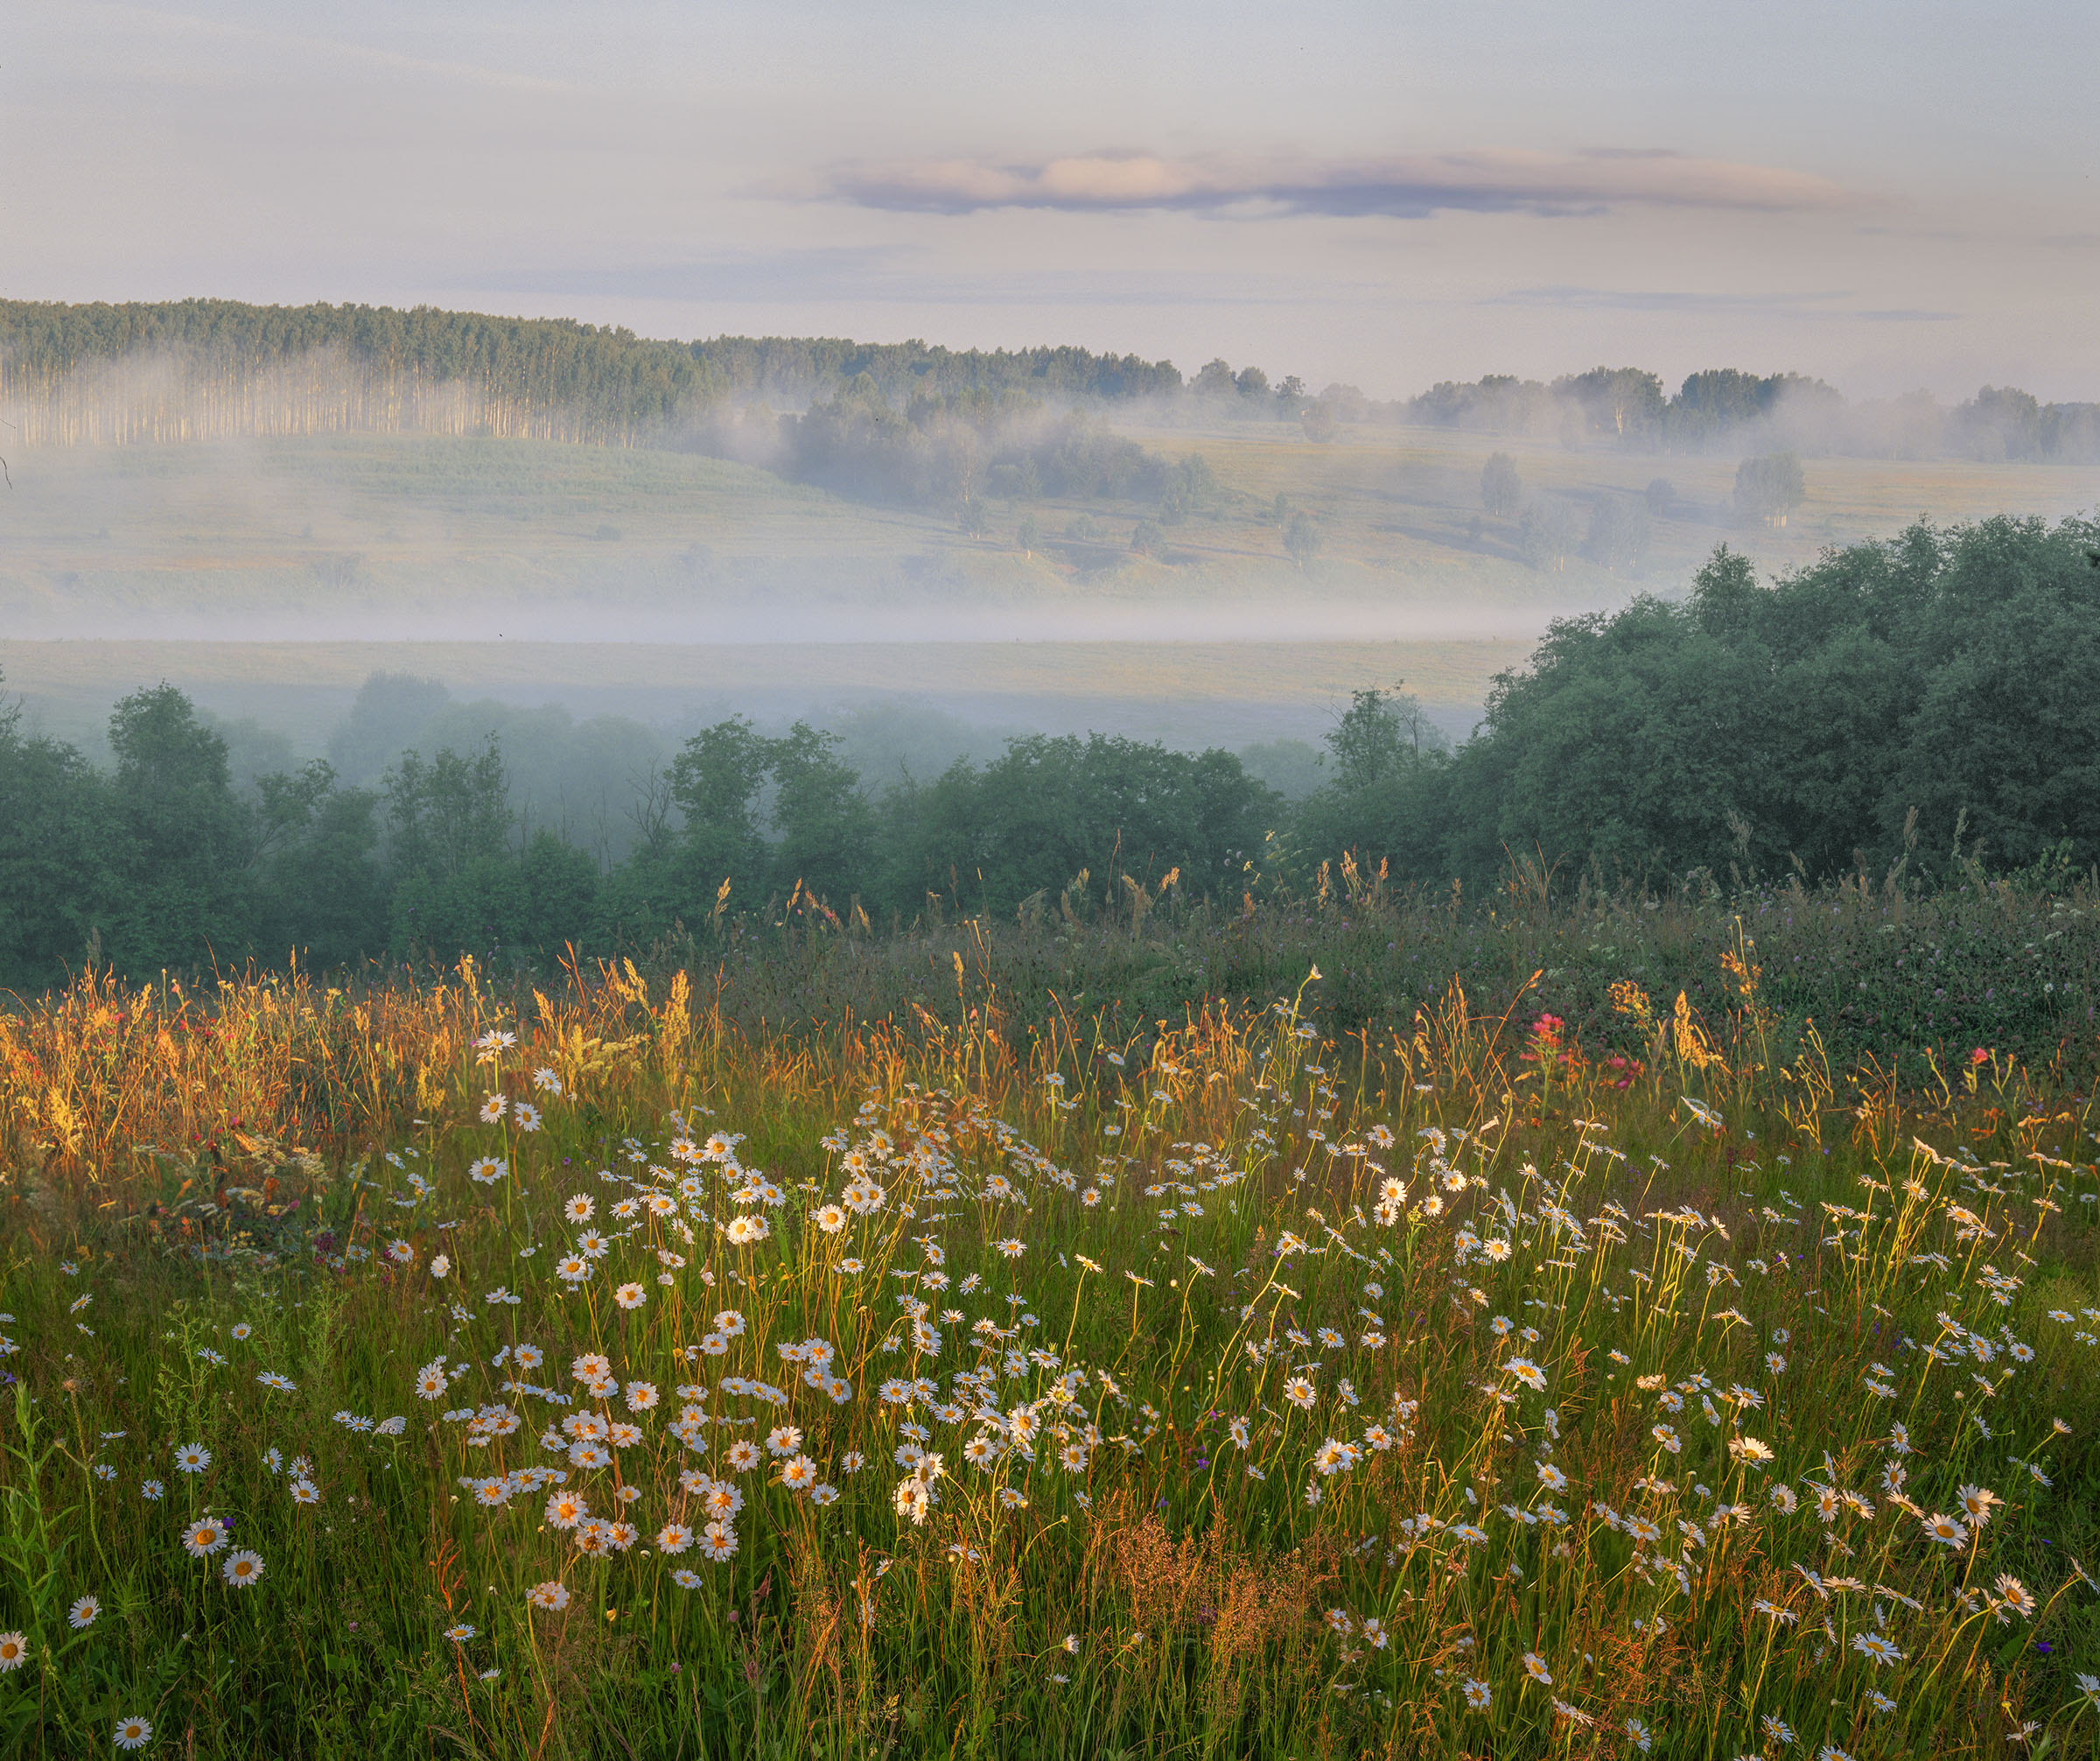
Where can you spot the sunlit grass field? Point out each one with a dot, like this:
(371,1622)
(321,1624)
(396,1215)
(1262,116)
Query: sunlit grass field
(463,1368)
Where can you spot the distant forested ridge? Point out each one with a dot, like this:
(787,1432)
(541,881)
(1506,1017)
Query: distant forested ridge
(210,368)
(1918,712)
(206,368)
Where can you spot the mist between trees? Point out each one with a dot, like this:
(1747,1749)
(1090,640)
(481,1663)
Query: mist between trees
(1549,531)
(1912,713)
(906,422)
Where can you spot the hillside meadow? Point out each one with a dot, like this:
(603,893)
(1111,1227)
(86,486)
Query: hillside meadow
(816,1345)
(362,537)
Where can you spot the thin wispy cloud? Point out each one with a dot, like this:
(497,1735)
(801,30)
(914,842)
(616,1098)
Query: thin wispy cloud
(144,25)
(1405,186)
(877,274)
(1817,304)
(823,272)
(1661,299)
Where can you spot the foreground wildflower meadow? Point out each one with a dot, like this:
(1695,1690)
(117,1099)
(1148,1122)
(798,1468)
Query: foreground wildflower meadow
(621,1384)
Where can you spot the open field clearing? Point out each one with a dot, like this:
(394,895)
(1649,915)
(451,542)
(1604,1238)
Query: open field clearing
(1408,501)
(609,1369)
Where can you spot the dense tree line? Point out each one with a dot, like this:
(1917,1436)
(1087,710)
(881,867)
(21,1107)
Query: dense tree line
(1932,700)
(42,341)
(160,861)
(308,368)
(803,369)
(1922,707)
(1725,409)
(259,366)
(946,448)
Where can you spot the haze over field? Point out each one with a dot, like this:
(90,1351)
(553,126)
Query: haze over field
(1123,727)
(1286,294)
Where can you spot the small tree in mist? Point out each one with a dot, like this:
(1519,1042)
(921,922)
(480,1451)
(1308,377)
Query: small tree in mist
(1769,489)
(1302,538)
(1319,421)
(1619,533)
(1191,488)
(1029,534)
(1547,534)
(973,519)
(1011,481)
(1501,489)
(1149,539)
(1661,496)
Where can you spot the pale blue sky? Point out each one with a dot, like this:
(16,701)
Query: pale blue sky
(1890,196)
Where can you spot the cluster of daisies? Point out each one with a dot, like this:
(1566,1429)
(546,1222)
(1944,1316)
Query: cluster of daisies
(1300,1269)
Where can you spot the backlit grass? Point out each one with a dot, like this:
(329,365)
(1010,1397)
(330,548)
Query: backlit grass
(1232,1389)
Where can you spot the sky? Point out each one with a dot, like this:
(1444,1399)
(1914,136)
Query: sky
(1890,196)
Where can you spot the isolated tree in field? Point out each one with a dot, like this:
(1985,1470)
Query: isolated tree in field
(1661,496)
(1028,535)
(1619,533)
(1302,538)
(1501,489)
(1769,489)
(1279,510)
(1191,488)
(973,519)
(1319,421)
(1148,539)
(1547,534)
